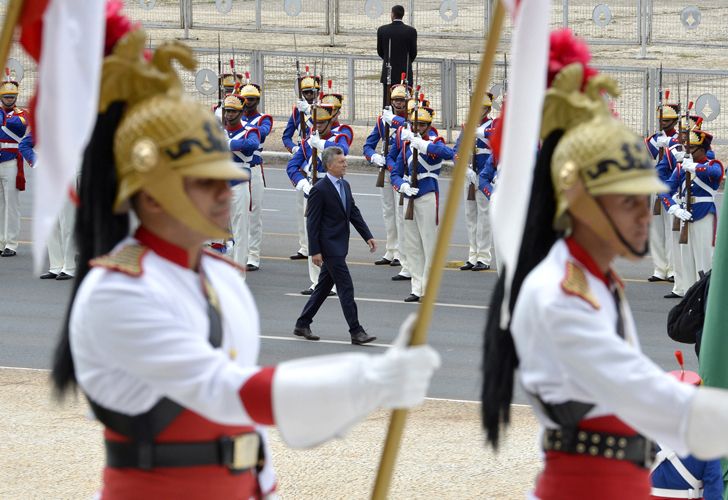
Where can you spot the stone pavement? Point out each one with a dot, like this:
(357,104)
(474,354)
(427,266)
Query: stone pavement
(49,451)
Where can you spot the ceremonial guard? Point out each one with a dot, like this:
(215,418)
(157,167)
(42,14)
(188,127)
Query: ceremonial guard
(599,400)
(696,181)
(477,202)
(337,128)
(300,122)
(257,127)
(163,336)
(12,175)
(228,83)
(242,144)
(421,160)
(302,173)
(391,118)
(660,145)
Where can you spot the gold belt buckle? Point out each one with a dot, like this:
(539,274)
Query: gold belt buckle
(245,451)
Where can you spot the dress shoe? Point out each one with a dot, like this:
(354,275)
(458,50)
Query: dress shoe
(479,266)
(382,262)
(671,279)
(48,276)
(672,295)
(361,338)
(251,267)
(307,291)
(332,293)
(8,253)
(298,256)
(401,277)
(654,278)
(412,298)
(395,263)
(64,277)
(305,332)
(467,267)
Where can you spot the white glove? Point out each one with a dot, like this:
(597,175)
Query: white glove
(420,144)
(406,134)
(480,132)
(303,185)
(403,373)
(680,213)
(471,177)
(295,149)
(316,142)
(387,115)
(303,106)
(679,155)
(378,160)
(688,164)
(707,433)
(408,190)
(662,141)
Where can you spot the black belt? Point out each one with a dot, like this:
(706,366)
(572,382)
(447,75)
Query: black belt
(636,449)
(238,453)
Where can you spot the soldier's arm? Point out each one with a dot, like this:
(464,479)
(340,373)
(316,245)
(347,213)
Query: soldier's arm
(370,146)
(288,132)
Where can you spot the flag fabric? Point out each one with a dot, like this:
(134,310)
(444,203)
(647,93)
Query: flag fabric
(521,127)
(66,37)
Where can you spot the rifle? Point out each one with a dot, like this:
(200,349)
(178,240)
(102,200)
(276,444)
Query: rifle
(415,165)
(380,176)
(471,186)
(657,207)
(675,220)
(405,80)
(314,151)
(301,118)
(219,73)
(688,178)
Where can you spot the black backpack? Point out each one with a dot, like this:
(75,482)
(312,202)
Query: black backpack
(685,320)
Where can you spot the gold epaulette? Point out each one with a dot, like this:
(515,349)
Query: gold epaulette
(575,283)
(217,255)
(128,260)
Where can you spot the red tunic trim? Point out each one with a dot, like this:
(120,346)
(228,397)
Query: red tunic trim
(257,396)
(163,248)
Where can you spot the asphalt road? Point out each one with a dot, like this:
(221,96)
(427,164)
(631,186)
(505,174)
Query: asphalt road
(31,310)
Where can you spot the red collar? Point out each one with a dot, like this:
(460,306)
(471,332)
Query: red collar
(586,260)
(235,129)
(163,248)
(671,132)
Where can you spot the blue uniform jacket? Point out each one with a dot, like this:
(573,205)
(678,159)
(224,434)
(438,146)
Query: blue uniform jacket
(293,126)
(652,145)
(487,176)
(299,166)
(430,163)
(704,184)
(666,476)
(15,122)
(378,132)
(483,151)
(26,148)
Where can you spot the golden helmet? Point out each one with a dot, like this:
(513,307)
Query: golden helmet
(694,122)
(596,155)
(310,83)
(228,80)
(669,111)
(700,138)
(488,100)
(399,91)
(335,100)
(250,90)
(164,135)
(424,115)
(9,87)
(233,101)
(325,112)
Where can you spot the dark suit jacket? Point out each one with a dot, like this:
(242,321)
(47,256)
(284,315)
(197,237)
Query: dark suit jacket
(327,222)
(404,40)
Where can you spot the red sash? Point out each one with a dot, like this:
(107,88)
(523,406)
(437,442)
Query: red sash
(571,477)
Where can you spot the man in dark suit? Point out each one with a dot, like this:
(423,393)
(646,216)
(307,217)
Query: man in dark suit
(331,208)
(404,48)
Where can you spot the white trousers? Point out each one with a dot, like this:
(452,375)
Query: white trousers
(302,239)
(399,219)
(420,235)
(9,206)
(696,255)
(239,222)
(661,243)
(480,236)
(390,198)
(61,245)
(256,215)
(313,270)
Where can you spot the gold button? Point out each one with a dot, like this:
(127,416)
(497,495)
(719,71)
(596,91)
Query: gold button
(581,448)
(557,445)
(611,441)
(582,436)
(593,450)
(144,155)
(622,442)
(620,454)
(608,453)
(596,438)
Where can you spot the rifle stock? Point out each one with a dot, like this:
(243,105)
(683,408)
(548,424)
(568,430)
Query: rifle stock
(415,165)
(388,101)
(688,206)
(314,154)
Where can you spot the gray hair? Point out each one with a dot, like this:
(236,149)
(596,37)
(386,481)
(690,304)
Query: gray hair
(330,153)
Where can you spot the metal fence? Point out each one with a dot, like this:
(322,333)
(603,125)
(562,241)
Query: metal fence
(624,22)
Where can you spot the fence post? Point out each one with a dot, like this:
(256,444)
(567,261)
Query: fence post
(648,100)
(258,74)
(351,88)
(565,13)
(332,20)
(258,21)
(412,12)
(449,96)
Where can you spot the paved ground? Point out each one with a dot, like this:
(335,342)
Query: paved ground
(445,457)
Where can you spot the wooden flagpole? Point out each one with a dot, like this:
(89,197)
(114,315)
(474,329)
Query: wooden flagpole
(12,15)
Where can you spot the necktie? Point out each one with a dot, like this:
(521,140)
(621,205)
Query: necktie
(342,192)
